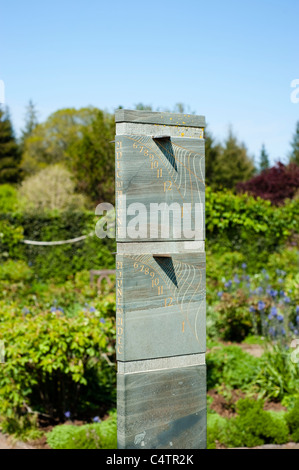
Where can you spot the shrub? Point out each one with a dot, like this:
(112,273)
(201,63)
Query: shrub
(252,426)
(231,366)
(278,375)
(275,184)
(54,363)
(15,271)
(89,436)
(252,227)
(292,419)
(56,262)
(50,189)
(8,199)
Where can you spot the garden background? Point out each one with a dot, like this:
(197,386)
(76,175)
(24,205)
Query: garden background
(58,376)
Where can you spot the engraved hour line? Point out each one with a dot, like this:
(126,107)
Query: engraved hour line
(176,299)
(181,163)
(145,145)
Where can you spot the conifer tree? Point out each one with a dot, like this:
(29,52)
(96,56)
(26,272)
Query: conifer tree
(10,155)
(294,156)
(264,159)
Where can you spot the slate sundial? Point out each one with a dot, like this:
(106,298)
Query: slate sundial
(160,280)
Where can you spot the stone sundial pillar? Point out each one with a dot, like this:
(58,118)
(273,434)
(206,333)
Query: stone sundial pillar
(160,280)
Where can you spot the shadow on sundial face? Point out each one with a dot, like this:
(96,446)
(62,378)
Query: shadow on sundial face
(167,265)
(165,146)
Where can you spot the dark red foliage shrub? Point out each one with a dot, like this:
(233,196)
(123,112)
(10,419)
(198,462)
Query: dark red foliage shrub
(276,184)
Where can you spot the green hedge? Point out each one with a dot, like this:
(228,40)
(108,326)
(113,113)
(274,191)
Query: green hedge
(247,225)
(60,261)
(234,223)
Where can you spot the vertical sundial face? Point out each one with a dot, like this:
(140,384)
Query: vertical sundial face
(159,170)
(160,305)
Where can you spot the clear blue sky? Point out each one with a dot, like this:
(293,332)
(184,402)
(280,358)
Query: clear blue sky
(232,61)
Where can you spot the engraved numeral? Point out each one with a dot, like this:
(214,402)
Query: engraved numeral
(168,302)
(159,173)
(160,290)
(167,186)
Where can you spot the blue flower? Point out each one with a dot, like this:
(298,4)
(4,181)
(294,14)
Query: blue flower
(270,316)
(67,414)
(60,309)
(236,279)
(283,331)
(280,317)
(272,292)
(272,331)
(96,419)
(102,320)
(273,311)
(297,308)
(281,293)
(228,283)
(260,290)
(251,309)
(92,309)
(53,309)
(244,265)
(261,305)
(280,280)
(219,294)
(297,319)
(287,300)
(296,332)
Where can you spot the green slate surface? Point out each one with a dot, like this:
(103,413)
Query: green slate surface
(163,409)
(160,305)
(154,171)
(148,117)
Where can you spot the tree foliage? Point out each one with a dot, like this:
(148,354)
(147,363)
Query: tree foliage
(30,122)
(49,189)
(294,156)
(227,164)
(93,160)
(49,142)
(9,151)
(275,184)
(264,159)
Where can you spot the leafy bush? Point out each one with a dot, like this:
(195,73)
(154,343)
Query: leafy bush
(10,237)
(234,320)
(50,189)
(15,271)
(55,363)
(89,436)
(278,375)
(8,199)
(252,426)
(275,184)
(292,419)
(56,262)
(231,366)
(252,227)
